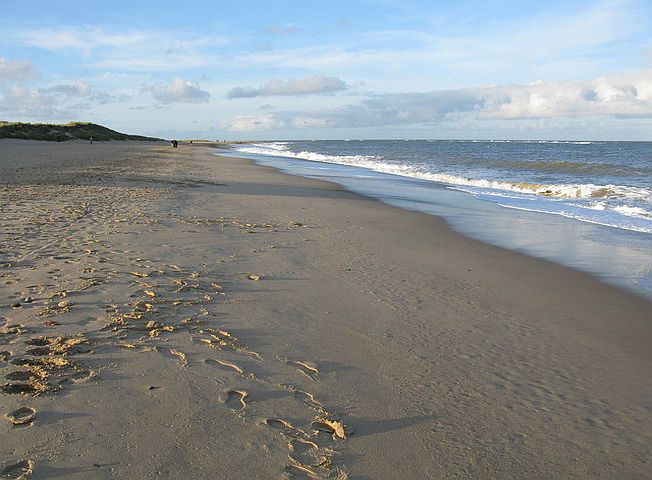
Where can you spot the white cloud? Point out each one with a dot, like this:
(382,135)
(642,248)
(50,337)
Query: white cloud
(623,96)
(249,123)
(28,98)
(54,102)
(22,102)
(14,70)
(180,91)
(314,84)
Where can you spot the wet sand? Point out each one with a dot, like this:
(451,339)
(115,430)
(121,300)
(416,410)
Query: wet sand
(167,313)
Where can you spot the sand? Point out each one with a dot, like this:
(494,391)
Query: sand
(181,315)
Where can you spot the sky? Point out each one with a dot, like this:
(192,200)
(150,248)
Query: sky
(368,69)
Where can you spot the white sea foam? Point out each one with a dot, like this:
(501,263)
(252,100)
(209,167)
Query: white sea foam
(633,211)
(280,149)
(609,205)
(605,221)
(569,191)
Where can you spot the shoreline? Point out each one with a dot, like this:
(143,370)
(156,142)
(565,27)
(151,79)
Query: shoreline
(441,355)
(617,256)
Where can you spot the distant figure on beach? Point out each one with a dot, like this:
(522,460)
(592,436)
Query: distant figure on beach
(175,143)
(91,140)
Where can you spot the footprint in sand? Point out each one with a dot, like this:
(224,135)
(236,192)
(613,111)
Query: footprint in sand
(232,367)
(286,428)
(21,389)
(39,351)
(235,399)
(333,427)
(21,416)
(309,399)
(303,452)
(20,375)
(17,471)
(299,471)
(305,368)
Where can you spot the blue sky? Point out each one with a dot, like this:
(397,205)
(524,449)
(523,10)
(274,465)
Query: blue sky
(337,69)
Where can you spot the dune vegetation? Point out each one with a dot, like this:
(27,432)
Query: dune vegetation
(68,131)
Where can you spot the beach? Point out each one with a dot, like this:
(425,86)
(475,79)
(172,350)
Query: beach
(169,313)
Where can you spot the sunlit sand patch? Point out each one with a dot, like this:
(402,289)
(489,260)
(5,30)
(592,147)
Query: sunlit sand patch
(21,416)
(334,427)
(57,345)
(221,339)
(235,399)
(297,470)
(12,330)
(61,307)
(181,356)
(182,285)
(48,374)
(17,471)
(309,399)
(180,301)
(142,307)
(305,368)
(139,274)
(231,366)
(307,453)
(33,389)
(286,428)
(155,332)
(139,348)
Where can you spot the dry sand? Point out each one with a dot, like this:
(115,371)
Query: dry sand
(180,315)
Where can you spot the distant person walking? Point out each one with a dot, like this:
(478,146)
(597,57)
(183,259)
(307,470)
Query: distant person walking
(175,144)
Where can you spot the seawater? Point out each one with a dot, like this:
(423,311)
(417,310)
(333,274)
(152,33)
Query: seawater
(587,205)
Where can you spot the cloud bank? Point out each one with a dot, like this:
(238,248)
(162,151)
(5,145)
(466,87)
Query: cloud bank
(314,84)
(623,96)
(55,102)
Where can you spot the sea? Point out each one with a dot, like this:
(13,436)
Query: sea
(582,204)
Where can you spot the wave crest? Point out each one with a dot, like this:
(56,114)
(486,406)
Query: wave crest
(375,163)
